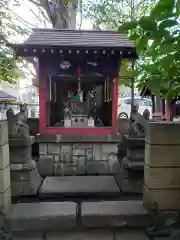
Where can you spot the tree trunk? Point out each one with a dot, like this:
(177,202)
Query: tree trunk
(61,15)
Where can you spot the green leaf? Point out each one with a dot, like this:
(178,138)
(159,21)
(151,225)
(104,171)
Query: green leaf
(142,43)
(127,26)
(147,23)
(163,9)
(167,48)
(168,23)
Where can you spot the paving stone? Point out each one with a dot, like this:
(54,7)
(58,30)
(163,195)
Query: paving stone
(27,236)
(42,216)
(115,214)
(131,235)
(86,235)
(79,185)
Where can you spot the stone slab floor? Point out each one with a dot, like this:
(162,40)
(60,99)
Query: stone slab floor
(79,185)
(86,235)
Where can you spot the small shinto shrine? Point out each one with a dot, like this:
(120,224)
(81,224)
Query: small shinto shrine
(78,87)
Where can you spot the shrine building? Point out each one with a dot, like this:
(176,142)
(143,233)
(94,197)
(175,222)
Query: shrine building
(77,62)
(78,74)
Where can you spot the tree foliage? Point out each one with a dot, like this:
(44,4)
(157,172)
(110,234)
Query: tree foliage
(157,38)
(114,12)
(8,30)
(111,14)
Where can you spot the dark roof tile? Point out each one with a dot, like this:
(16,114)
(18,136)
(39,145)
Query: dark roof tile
(81,38)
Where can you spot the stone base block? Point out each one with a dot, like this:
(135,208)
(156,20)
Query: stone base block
(129,185)
(42,216)
(131,177)
(4,155)
(5,201)
(26,188)
(73,158)
(166,199)
(162,156)
(135,154)
(115,214)
(4,179)
(19,154)
(20,142)
(134,142)
(25,180)
(97,167)
(65,169)
(163,133)
(46,165)
(3,132)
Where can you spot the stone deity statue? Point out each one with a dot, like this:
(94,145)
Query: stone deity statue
(90,101)
(17,125)
(139,125)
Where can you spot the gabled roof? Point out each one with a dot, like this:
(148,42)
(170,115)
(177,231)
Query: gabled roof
(84,38)
(6,96)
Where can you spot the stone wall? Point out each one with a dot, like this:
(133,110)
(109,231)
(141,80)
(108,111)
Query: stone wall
(5,185)
(77,159)
(162,165)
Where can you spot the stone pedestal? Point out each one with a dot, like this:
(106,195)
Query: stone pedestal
(25,179)
(131,158)
(162,166)
(77,155)
(5,185)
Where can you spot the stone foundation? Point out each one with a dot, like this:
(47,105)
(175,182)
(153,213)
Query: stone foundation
(76,157)
(131,159)
(25,179)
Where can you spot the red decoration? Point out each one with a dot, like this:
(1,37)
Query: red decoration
(78,70)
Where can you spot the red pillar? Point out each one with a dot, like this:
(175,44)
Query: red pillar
(114,104)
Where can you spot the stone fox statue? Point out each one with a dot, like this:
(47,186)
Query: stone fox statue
(17,125)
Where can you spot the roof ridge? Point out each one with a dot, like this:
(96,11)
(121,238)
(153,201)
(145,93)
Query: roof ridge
(73,30)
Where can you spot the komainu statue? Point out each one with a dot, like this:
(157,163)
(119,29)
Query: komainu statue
(17,126)
(139,122)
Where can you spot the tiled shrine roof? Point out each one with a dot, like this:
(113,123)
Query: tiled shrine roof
(84,38)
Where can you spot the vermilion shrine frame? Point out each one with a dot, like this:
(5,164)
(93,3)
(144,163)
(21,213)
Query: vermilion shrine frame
(61,130)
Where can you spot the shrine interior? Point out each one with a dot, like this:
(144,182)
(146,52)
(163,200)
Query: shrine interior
(95,101)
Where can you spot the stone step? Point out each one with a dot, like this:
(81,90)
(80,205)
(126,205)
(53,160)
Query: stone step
(67,215)
(78,186)
(40,216)
(84,235)
(115,214)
